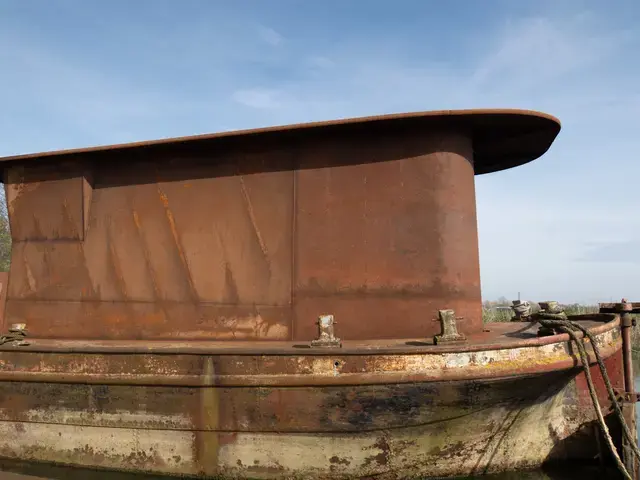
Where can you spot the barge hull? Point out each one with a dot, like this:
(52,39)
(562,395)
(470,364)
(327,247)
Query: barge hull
(314,428)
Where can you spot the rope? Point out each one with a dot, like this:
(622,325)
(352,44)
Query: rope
(15,336)
(612,395)
(521,309)
(560,322)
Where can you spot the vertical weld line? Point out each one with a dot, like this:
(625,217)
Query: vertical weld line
(66,215)
(86,204)
(294,243)
(176,240)
(83,259)
(83,233)
(3,307)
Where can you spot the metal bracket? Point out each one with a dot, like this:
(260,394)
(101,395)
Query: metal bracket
(622,307)
(626,319)
(449,328)
(326,337)
(625,309)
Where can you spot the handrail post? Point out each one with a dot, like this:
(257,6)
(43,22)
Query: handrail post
(629,397)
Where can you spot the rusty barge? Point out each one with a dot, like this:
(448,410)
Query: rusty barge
(264,304)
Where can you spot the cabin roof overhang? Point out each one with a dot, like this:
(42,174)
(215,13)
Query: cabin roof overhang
(502,138)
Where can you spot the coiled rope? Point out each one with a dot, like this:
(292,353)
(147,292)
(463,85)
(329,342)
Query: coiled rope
(560,322)
(17,333)
(14,336)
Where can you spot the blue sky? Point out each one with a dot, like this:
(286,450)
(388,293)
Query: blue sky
(565,227)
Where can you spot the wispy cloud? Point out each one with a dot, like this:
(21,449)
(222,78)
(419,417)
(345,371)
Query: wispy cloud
(257,98)
(621,252)
(270,36)
(531,51)
(228,71)
(528,63)
(319,61)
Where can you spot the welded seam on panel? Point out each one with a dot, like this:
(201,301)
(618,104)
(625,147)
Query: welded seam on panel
(294,243)
(83,225)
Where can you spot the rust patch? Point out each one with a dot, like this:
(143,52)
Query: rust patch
(4,279)
(267,233)
(206,442)
(374,247)
(382,458)
(178,245)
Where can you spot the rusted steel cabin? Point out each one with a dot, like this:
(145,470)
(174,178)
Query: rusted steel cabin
(171,291)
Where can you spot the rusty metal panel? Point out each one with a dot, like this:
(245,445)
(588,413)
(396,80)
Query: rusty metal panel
(503,138)
(615,307)
(46,202)
(614,367)
(43,270)
(269,409)
(150,320)
(385,242)
(4,280)
(291,367)
(252,235)
(189,249)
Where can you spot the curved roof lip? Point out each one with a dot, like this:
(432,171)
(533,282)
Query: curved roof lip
(544,134)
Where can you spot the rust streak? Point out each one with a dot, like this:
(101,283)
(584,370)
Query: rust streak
(207,444)
(176,240)
(252,217)
(136,221)
(68,220)
(115,264)
(231,289)
(31,280)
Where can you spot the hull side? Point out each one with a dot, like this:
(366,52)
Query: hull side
(541,420)
(281,429)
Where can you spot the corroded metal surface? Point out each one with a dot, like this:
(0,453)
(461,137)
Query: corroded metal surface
(632,307)
(307,415)
(251,236)
(171,291)
(373,243)
(503,138)
(290,370)
(4,280)
(492,433)
(402,362)
(496,336)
